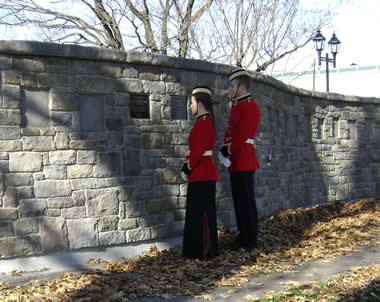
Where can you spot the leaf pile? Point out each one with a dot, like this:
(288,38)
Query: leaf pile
(287,238)
(358,284)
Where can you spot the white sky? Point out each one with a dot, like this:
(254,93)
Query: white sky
(356,26)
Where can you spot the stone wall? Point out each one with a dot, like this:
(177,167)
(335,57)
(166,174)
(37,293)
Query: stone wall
(92,140)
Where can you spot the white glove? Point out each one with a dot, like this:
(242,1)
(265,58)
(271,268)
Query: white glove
(224,160)
(184,176)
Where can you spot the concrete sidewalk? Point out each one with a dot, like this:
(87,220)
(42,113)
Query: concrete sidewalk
(47,267)
(50,266)
(319,270)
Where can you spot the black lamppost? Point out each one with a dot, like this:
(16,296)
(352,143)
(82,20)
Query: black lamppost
(319,43)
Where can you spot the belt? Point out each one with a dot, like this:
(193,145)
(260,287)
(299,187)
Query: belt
(250,141)
(208,153)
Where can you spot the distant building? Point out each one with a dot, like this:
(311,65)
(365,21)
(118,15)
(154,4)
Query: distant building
(355,80)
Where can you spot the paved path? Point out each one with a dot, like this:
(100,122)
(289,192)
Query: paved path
(75,262)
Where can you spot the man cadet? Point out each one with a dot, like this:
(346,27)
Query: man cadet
(238,154)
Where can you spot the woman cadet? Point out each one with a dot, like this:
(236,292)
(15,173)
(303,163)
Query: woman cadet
(200,239)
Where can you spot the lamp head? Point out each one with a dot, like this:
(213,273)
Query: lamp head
(319,41)
(334,44)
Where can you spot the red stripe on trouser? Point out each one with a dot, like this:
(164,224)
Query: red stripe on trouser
(206,233)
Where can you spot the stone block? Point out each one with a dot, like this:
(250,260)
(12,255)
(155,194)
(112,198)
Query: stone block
(108,223)
(25,192)
(79,171)
(111,238)
(74,213)
(79,198)
(10,117)
(2,187)
(164,231)
(10,146)
(61,119)
(11,77)
(52,188)
(18,179)
(28,80)
(147,221)
(129,85)
(8,214)
(88,183)
(26,226)
(5,229)
(24,64)
(135,208)
(82,233)
(60,202)
(93,85)
(86,157)
(62,140)
(4,166)
(175,89)
(53,234)
(83,145)
(11,96)
(171,176)
(64,102)
(108,164)
(121,99)
(152,140)
(139,234)
(19,246)
(38,143)
(43,80)
(25,162)
(32,207)
(166,190)
(55,172)
(9,133)
(153,87)
(127,224)
(62,157)
(102,202)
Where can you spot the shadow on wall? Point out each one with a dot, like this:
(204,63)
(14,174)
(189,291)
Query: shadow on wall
(82,167)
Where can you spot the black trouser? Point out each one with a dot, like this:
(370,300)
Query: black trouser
(200,238)
(243,194)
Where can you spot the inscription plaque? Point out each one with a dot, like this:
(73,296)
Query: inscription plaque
(179,105)
(91,113)
(139,106)
(36,108)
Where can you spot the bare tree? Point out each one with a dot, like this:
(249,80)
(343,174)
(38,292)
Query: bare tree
(157,26)
(259,32)
(95,23)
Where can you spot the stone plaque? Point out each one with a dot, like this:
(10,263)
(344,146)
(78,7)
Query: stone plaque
(36,109)
(179,105)
(139,106)
(91,113)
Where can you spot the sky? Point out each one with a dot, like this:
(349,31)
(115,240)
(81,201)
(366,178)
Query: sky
(356,26)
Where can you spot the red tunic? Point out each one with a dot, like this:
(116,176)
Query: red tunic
(202,138)
(243,124)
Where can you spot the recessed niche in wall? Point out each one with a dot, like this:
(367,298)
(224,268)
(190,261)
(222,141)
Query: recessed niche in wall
(91,113)
(35,105)
(139,106)
(179,106)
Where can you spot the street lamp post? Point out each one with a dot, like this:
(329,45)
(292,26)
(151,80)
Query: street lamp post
(319,43)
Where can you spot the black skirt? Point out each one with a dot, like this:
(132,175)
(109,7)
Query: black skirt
(200,238)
